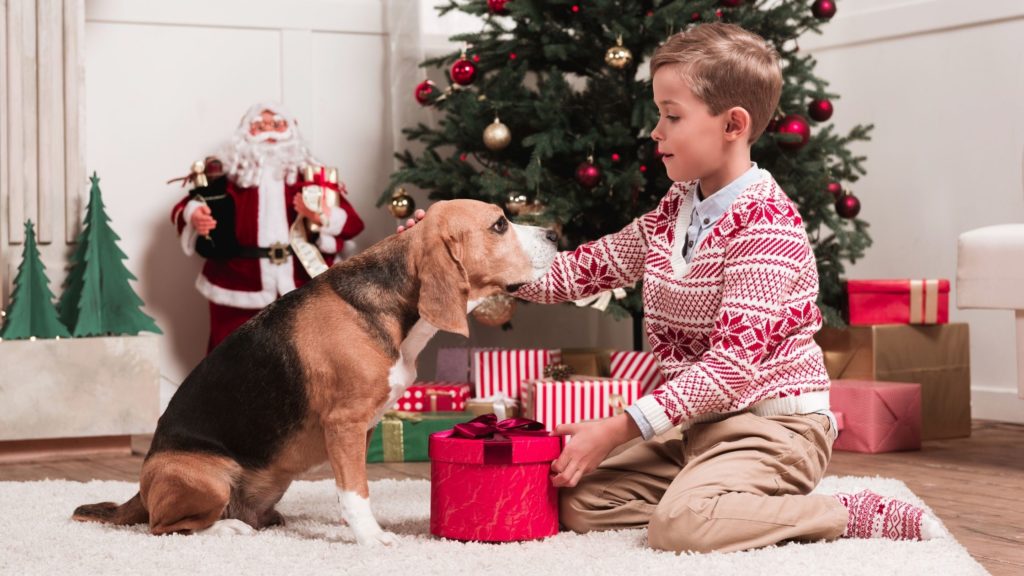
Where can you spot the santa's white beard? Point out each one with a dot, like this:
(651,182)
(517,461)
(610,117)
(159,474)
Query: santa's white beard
(247,156)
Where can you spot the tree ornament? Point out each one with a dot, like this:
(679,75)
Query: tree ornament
(823,9)
(618,56)
(848,206)
(820,109)
(495,310)
(517,203)
(463,72)
(423,92)
(497,6)
(588,174)
(796,125)
(402,205)
(497,136)
(835,189)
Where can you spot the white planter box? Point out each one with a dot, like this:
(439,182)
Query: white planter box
(76,387)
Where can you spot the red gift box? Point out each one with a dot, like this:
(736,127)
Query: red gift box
(877,416)
(872,302)
(642,366)
(577,399)
(494,488)
(504,371)
(434,397)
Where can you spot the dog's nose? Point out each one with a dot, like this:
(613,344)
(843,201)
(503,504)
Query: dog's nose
(551,235)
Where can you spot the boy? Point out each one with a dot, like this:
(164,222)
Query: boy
(730,284)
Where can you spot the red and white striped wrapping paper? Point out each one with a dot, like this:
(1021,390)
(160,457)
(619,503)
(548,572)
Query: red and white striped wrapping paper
(642,366)
(505,370)
(555,402)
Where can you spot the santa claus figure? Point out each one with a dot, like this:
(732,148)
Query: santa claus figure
(266,215)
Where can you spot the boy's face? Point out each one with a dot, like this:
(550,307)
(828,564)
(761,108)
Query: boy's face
(692,140)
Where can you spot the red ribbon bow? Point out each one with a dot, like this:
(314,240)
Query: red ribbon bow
(487,427)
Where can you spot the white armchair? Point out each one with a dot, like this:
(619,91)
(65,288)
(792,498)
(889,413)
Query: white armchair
(990,274)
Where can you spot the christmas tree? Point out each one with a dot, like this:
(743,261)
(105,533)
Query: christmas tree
(31,313)
(97,298)
(549,112)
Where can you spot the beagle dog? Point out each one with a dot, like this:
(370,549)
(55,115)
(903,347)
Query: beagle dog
(309,377)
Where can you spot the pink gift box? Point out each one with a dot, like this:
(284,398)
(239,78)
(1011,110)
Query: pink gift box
(576,399)
(642,366)
(434,397)
(493,490)
(504,371)
(873,302)
(877,416)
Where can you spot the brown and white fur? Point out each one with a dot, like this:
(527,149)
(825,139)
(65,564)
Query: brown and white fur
(308,378)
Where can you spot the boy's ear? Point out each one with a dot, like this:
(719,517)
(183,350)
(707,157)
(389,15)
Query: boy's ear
(737,123)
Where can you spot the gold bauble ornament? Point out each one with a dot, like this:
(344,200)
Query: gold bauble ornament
(517,203)
(402,205)
(495,310)
(618,56)
(497,136)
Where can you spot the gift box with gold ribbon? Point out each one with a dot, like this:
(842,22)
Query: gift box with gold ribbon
(897,302)
(577,398)
(434,397)
(404,436)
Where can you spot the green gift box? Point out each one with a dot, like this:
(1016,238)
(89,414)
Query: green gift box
(404,436)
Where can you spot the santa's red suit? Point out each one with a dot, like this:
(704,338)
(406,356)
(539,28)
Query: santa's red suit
(238,287)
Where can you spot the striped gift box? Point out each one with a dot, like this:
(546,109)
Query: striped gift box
(504,371)
(642,366)
(555,402)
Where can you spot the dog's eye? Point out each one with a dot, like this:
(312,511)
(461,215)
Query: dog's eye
(501,226)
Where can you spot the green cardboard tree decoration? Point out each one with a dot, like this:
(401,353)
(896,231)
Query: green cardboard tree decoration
(31,313)
(97,298)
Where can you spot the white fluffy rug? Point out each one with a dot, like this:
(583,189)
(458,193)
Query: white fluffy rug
(38,537)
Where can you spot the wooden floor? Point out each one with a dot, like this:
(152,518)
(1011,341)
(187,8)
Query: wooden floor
(975,485)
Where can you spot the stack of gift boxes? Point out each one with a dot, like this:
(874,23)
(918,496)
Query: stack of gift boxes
(900,370)
(470,382)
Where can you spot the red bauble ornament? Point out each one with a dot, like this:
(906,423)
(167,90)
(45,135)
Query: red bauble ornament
(835,189)
(797,125)
(423,91)
(511,55)
(463,72)
(615,157)
(587,174)
(731,3)
(695,17)
(820,110)
(497,6)
(575,8)
(823,9)
(848,206)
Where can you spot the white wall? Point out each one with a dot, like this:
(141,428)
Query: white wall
(943,82)
(167,84)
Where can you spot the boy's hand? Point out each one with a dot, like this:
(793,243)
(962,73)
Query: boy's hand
(418,215)
(591,443)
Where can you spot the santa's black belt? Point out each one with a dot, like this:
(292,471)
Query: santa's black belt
(277,253)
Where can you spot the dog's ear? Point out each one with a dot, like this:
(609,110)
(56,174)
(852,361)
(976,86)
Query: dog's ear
(444,284)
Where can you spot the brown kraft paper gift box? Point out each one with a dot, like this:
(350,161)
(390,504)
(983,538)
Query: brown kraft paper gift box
(935,356)
(588,361)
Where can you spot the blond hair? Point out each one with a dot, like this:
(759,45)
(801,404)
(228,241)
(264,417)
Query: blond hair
(726,66)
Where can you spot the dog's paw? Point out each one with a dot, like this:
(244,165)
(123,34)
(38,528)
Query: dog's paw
(229,526)
(376,538)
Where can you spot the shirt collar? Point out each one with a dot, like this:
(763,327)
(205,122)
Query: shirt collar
(712,208)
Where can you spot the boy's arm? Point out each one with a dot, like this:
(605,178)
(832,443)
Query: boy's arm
(614,261)
(765,266)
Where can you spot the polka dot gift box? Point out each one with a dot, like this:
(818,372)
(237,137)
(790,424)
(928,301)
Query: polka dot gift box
(434,397)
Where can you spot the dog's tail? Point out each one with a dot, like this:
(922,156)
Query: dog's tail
(131,512)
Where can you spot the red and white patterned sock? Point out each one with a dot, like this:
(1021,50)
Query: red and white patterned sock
(875,516)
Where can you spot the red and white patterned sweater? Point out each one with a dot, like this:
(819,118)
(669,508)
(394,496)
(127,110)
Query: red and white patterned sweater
(733,330)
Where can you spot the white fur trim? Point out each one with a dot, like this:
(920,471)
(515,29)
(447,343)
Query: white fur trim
(335,221)
(234,298)
(349,249)
(327,244)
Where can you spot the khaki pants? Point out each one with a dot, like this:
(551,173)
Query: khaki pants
(732,485)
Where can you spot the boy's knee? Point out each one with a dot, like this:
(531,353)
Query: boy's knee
(681,527)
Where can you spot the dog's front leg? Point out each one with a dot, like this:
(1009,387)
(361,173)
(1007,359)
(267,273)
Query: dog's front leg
(346,449)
